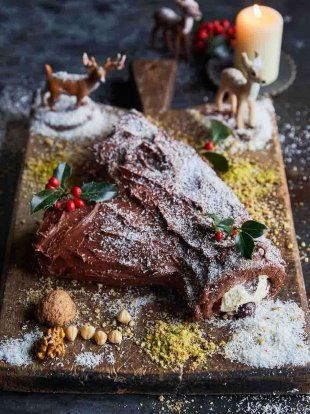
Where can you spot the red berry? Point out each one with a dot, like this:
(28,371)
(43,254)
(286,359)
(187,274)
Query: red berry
(235,231)
(209,146)
(210,27)
(225,23)
(218,29)
(231,32)
(70,205)
(53,181)
(76,191)
(232,42)
(200,46)
(79,203)
(218,236)
(58,204)
(202,34)
(203,25)
(49,187)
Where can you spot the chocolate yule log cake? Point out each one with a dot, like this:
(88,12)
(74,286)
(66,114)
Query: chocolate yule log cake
(159,230)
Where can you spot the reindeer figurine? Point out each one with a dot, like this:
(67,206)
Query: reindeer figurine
(178,27)
(242,90)
(84,85)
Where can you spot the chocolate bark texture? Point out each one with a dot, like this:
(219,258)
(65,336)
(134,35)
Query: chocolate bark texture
(157,230)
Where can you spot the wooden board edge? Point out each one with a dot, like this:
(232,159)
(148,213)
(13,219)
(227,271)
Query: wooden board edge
(289,212)
(282,380)
(9,241)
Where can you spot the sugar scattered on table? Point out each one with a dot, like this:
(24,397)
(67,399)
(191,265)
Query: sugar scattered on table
(17,351)
(88,359)
(274,337)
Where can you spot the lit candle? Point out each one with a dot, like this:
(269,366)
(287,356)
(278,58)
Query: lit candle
(259,29)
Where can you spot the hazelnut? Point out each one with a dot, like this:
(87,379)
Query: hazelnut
(56,308)
(115,337)
(124,317)
(71,333)
(87,331)
(100,337)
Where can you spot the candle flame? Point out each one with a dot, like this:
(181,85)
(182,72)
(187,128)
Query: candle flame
(257,11)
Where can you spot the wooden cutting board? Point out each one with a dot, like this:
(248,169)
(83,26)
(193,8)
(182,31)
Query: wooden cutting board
(127,369)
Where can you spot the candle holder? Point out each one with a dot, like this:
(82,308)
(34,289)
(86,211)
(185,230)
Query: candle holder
(286,78)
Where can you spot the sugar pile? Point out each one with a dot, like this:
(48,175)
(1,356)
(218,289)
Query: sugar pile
(88,359)
(69,122)
(18,351)
(91,360)
(275,336)
(244,139)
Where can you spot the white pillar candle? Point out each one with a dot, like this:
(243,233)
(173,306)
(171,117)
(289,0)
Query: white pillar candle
(259,29)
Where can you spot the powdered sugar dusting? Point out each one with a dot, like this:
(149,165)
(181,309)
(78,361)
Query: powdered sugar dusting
(169,177)
(130,301)
(274,337)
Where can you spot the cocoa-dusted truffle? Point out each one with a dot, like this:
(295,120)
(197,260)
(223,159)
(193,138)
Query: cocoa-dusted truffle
(56,308)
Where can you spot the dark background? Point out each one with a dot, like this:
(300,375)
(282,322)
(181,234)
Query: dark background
(58,32)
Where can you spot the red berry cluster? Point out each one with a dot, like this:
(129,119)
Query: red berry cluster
(208,30)
(219,234)
(77,202)
(70,204)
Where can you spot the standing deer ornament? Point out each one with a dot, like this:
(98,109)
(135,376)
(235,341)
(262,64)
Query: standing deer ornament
(176,28)
(80,86)
(242,89)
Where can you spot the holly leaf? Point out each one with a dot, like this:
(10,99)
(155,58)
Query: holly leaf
(98,191)
(215,43)
(62,172)
(226,225)
(218,161)
(44,199)
(253,228)
(219,131)
(214,217)
(245,244)
(227,222)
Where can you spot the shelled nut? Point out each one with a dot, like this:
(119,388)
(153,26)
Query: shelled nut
(71,333)
(124,317)
(115,337)
(51,344)
(100,337)
(87,331)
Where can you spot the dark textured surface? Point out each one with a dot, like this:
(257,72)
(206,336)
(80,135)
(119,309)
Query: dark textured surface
(57,32)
